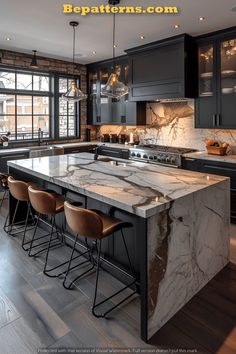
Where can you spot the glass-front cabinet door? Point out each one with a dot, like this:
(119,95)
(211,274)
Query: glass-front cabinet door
(227,86)
(93,96)
(104,116)
(207,86)
(206,70)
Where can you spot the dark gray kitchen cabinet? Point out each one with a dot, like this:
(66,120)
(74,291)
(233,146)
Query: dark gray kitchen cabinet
(4,158)
(217,168)
(103,110)
(163,69)
(80,148)
(216,101)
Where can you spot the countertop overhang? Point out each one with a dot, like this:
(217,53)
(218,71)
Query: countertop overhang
(138,188)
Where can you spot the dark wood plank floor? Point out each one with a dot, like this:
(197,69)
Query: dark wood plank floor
(37,312)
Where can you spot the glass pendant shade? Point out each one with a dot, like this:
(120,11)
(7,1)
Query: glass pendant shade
(74,94)
(34,64)
(114,88)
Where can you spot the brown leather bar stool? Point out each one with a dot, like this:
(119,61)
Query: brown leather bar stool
(19,191)
(96,225)
(46,204)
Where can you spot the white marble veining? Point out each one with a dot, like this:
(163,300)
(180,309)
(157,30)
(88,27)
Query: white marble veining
(203,155)
(187,246)
(139,188)
(173,124)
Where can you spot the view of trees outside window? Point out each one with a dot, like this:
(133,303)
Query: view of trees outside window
(20,114)
(67,111)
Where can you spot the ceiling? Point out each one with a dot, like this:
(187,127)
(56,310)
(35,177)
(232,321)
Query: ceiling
(41,25)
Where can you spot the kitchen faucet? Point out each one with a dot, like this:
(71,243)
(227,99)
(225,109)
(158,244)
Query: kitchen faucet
(40,136)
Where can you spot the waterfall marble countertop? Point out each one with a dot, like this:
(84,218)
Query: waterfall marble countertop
(203,155)
(139,188)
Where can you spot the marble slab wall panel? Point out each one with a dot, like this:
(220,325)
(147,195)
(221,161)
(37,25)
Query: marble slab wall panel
(172,124)
(187,246)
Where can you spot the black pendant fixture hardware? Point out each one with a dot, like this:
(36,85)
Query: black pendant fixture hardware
(114,88)
(34,63)
(74,94)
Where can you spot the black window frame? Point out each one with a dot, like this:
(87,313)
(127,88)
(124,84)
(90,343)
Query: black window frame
(53,95)
(56,108)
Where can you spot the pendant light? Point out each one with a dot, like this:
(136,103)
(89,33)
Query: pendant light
(114,88)
(34,63)
(74,94)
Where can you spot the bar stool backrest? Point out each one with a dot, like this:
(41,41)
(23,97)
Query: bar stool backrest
(43,202)
(83,222)
(18,189)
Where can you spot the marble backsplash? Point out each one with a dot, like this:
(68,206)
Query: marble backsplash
(172,124)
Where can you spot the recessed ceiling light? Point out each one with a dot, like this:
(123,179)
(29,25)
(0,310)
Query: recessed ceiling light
(201,18)
(142,36)
(8,39)
(94,52)
(177,26)
(233,8)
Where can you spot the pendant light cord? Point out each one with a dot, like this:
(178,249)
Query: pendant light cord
(114,37)
(73,51)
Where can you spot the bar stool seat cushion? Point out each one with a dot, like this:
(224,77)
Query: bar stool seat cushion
(110,223)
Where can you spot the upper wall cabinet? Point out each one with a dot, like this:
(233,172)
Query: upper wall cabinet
(103,110)
(164,69)
(216,102)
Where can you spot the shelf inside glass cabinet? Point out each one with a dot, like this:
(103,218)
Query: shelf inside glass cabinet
(228,67)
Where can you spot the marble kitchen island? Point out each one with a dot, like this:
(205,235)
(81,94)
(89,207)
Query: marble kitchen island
(181,222)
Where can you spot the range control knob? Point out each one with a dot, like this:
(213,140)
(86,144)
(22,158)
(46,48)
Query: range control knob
(168,159)
(150,157)
(173,160)
(133,154)
(138,155)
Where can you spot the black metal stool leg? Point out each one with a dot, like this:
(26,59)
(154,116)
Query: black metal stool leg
(33,237)
(69,264)
(49,244)
(5,226)
(3,197)
(97,275)
(133,282)
(14,216)
(26,224)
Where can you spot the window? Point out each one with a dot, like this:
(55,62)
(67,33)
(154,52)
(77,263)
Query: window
(68,111)
(25,101)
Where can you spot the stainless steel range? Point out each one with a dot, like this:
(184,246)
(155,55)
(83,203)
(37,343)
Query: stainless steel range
(158,154)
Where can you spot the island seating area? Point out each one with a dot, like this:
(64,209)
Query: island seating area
(179,239)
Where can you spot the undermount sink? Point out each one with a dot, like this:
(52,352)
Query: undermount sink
(40,151)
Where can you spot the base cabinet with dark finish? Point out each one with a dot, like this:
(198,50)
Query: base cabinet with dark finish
(78,149)
(11,156)
(217,168)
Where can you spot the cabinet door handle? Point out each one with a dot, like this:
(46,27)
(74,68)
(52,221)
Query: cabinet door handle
(214,120)
(218,119)
(189,159)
